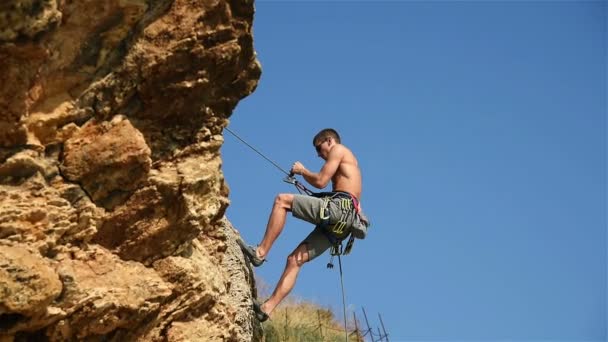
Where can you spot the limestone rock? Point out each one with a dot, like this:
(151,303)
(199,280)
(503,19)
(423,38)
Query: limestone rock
(110,160)
(104,295)
(28,284)
(112,196)
(47,215)
(27,18)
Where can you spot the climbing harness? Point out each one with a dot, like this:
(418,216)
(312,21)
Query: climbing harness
(335,232)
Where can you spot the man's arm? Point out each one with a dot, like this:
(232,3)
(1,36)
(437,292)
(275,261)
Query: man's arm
(321,179)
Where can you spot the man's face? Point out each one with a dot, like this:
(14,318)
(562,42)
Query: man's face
(322,148)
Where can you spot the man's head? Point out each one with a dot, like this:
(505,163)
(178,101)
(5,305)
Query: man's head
(327,135)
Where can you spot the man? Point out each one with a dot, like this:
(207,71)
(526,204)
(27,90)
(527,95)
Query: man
(335,214)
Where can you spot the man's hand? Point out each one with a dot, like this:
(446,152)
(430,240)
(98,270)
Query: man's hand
(297,168)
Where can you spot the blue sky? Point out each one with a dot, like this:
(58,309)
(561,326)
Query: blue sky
(480,128)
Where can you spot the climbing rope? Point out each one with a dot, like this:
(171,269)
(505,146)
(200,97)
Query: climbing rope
(290,176)
(343,296)
(258,152)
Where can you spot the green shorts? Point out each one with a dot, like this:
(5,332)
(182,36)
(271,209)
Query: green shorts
(308,208)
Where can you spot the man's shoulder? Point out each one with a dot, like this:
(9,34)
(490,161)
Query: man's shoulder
(339,151)
(345,154)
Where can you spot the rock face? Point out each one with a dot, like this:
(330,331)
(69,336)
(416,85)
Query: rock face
(112,197)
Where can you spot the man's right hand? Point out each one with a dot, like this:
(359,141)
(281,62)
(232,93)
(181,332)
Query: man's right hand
(297,168)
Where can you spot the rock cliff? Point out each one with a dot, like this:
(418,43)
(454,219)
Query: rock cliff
(112,196)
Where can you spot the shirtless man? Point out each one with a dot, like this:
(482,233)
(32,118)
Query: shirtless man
(340,209)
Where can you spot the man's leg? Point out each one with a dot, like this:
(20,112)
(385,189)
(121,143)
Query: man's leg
(294,262)
(276,222)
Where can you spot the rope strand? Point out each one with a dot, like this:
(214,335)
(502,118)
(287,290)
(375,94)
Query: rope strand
(256,151)
(343,296)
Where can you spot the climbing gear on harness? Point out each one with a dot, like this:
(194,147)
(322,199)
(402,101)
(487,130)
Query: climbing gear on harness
(335,250)
(345,201)
(343,228)
(249,252)
(259,314)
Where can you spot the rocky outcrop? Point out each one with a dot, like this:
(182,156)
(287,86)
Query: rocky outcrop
(112,196)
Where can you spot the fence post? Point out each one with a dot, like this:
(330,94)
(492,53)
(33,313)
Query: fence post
(356,326)
(369,330)
(382,323)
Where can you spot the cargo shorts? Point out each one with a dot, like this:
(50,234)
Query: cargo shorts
(308,208)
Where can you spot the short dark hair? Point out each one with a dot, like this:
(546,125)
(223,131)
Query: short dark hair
(324,134)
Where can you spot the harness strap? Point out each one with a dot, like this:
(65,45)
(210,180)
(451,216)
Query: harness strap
(324,213)
(347,203)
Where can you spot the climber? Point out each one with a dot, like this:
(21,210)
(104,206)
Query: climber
(336,214)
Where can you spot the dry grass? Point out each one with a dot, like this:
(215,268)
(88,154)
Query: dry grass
(298,320)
